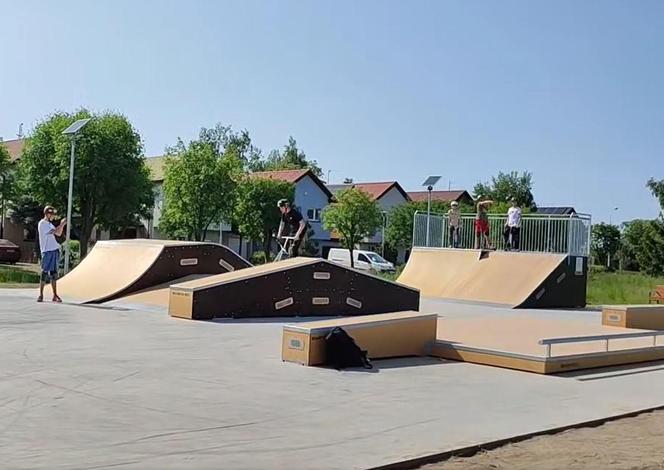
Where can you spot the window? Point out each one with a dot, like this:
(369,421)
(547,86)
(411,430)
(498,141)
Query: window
(314,215)
(363,258)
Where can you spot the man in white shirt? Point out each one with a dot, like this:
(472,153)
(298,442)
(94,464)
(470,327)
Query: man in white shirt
(513,227)
(50,251)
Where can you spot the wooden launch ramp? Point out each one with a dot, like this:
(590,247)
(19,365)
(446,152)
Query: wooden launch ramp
(527,280)
(117,268)
(294,287)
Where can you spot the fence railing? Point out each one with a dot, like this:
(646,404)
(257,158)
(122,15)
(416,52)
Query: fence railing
(539,233)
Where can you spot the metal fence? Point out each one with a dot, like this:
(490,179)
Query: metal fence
(539,233)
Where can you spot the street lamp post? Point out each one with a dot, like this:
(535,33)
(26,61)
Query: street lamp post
(429,183)
(72,131)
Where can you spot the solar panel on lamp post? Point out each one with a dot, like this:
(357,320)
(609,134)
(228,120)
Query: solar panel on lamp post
(429,183)
(72,131)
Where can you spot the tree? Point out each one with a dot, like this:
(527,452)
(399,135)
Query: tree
(354,217)
(399,230)
(6,184)
(290,158)
(112,187)
(643,246)
(200,179)
(657,189)
(256,214)
(505,186)
(605,242)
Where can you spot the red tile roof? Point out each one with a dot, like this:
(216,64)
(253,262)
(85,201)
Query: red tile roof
(375,190)
(292,176)
(444,196)
(15,147)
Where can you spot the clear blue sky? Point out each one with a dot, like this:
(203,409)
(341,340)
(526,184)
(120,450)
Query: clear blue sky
(375,90)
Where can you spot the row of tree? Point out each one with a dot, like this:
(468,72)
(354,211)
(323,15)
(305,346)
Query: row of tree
(637,245)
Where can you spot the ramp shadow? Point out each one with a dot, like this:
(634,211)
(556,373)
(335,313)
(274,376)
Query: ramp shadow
(611,372)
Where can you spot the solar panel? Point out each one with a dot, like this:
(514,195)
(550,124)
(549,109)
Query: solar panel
(76,126)
(431,180)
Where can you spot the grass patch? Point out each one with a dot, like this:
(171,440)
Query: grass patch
(620,287)
(17,277)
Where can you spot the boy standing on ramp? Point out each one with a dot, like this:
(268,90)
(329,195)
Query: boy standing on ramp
(482,226)
(454,220)
(50,252)
(293,222)
(513,226)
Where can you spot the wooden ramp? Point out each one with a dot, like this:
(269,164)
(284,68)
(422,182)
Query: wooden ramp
(384,335)
(528,280)
(294,287)
(545,346)
(118,268)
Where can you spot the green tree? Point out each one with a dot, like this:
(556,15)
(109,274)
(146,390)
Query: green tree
(605,243)
(290,158)
(256,214)
(505,186)
(112,187)
(6,183)
(657,189)
(354,217)
(399,230)
(200,179)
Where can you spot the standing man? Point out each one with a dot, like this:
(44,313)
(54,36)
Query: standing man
(294,224)
(482,226)
(50,252)
(454,221)
(513,226)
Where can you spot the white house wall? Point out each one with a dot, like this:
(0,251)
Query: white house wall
(389,200)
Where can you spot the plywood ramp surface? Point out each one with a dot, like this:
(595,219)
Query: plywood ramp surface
(156,296)
(219,279)
(520,334)
(110,267)
(500,277)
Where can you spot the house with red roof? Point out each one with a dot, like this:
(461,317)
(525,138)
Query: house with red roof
(388,194)
(459,195)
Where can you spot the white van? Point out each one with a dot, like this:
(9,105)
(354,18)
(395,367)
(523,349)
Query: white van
(364,260)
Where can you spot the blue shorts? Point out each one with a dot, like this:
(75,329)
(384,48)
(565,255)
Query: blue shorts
(50,261)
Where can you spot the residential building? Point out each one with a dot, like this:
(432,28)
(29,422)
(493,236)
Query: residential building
(387,194)
(459,195)
(563,210)
(311,197)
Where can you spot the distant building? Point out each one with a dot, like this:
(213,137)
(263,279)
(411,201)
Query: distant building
(461,196)
(11,231)
(388,195)
(555,210)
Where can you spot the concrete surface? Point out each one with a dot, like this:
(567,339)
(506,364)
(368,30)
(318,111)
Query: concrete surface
(94,388)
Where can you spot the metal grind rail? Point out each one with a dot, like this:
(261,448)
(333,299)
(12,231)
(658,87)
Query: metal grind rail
(548,342)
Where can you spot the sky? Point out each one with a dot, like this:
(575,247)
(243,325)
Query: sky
(373,90)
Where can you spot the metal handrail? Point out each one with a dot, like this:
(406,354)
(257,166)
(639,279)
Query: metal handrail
(587,339)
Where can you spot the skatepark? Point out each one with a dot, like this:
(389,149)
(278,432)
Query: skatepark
(468,351)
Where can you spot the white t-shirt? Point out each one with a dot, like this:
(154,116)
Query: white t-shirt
(514,217)
(47,241)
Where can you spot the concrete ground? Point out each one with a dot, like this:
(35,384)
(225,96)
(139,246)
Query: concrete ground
(97,388)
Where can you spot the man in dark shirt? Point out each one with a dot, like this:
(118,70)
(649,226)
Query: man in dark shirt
(292,225)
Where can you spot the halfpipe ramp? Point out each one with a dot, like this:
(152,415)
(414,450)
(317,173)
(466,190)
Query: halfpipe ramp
(117,268)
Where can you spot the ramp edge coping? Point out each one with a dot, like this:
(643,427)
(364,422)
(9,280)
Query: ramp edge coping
(354,326)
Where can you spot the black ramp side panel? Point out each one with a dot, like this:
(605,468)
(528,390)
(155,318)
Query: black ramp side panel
(563,288)
(316,289)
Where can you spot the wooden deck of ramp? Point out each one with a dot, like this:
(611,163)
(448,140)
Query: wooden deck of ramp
(118,268)
(534,280)
(513,341)
(293,287)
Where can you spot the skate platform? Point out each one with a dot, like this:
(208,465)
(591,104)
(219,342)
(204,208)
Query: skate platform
(117,268)
(523,280)
(544,345)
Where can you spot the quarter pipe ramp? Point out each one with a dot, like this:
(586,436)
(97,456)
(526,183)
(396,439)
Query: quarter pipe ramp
(528,280)
(118,268)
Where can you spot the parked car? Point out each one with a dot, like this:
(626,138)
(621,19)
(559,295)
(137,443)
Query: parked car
(363,260)
(9,252)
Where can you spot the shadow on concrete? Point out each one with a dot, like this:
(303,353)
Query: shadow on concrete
(603,373)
